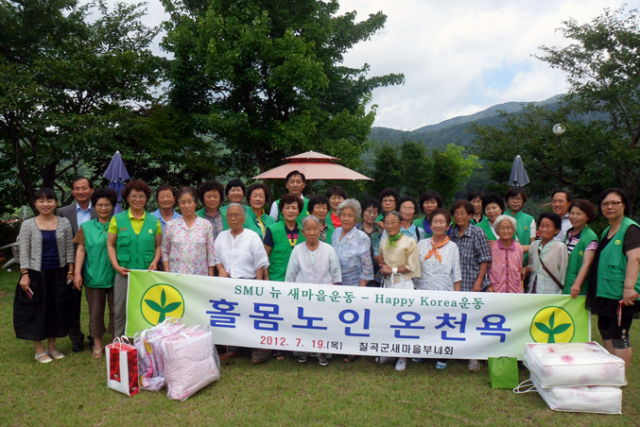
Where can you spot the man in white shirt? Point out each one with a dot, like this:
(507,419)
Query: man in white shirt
(561,203)
(295,185)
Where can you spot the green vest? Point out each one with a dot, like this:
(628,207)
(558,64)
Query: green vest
(303,213)
(330,228)
(523,222)
(97,271)
(484,224)
(474,222)
(225,226)
(251,222)
(575,259)
(136,251)
(612,266)
(281,251)
(419,223)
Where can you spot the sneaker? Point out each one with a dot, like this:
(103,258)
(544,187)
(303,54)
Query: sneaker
(382,359)
(303,358)
(416,360)
(323,361)
(474,365)
(441,365)
(401,364)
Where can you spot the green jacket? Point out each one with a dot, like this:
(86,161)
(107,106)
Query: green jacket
(303,213)
(523,222)
(136,251)
(575,259)
(97,271)
(612,266)
(281,251)
(251,223)
(225,226)
(484,224)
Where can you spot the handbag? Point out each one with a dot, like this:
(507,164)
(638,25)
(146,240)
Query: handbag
(122,367)
(503,372)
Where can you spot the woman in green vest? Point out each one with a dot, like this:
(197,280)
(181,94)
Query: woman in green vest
(475,197)
(525,223)
(133,243)
(283,236)
(93,268)
(319,206)
(614,278)
(581,243)
(493,207)
(257,219)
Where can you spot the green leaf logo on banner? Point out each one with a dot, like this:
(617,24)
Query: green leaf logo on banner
(552,325)
(162,301)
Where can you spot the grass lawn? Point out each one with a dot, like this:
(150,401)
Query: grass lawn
(73,392)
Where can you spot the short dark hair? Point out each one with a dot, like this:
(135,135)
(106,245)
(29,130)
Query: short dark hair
(336,191)
(462,204)
(554,217)
(515,192)
(188,190)
(258,186)
(294,173)
(492,198)
(427,195)
(586,207)
(165,187)
(46,193)
(390,192)
(620,192)
(234,183)
(288,199)
(137,185)
(569,197)
(207,186)
(317,199)
(370,202)
(441,211)
(475,194)
(80,178)
(408,199)
(104,193)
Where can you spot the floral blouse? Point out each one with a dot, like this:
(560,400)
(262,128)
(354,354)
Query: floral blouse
(189,251)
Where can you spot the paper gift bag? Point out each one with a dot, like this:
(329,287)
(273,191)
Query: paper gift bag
(503,372)
(122,368)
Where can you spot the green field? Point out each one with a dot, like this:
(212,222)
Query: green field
(73,392)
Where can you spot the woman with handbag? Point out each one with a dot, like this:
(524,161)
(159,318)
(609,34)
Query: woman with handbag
(548,258)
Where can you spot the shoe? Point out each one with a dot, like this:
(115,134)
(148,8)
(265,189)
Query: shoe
(303,358)
(97,353)
(401,364)
(416,360)
(474,365)
(78,347)
(382,359)
(55,354)
(43,358)
(323,361)
(441,365)
(229,355)
(277,355)
(350,359)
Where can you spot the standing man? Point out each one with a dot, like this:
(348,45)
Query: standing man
(561,203)
(295,185)
(78,213)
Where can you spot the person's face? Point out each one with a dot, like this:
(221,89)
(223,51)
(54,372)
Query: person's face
(187,205)
(439,225)
(560,204)
(103,208)
(311,231)
(391,225)
(388,203)
(166,199)
(235,217)
(612,207)
(295,185)
(320,211)
(462,217)
(430,206)
(578,218)
(81,191)
(258,199)
(492,211)
(45,206)
(547,229)
(407,210)
(477,205)
(370,214)
(235,195)
(335,200)
(505,230)
(137,199)
(212,199)
(290,212)
(347,219)
(515,203)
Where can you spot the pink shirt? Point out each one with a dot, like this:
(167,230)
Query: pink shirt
(189,251)
(504,270)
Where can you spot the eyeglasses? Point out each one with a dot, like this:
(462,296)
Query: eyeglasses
(613,204)
(517,199)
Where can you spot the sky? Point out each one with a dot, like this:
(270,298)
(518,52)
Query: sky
(458,56)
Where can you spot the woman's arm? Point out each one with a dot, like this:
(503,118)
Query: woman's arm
(154,264)
(77,277)
(629,294)
(587,259)
(111,250)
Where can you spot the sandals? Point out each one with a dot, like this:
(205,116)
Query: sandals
(43,358)
(351,358)
(277,355)
(97,353)
(55,354)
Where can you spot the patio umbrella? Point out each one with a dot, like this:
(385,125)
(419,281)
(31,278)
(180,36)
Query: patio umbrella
(314,166)
(518,176)
(117,174)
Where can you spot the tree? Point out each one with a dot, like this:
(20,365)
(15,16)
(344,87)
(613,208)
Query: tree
(416,168)
(388,169)
(451,170)
(266,78)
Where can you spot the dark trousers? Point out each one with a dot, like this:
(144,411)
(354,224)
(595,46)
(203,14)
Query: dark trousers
(75,333)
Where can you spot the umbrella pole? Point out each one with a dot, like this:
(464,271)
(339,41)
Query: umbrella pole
(310,188)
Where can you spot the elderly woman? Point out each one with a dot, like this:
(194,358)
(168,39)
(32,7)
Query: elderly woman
(582,244)
(319,207)
(408,208)
(548,258)
(475,197)
(93,267)
(210,195)
(165,197)
(283,236)
(493,207)
(429,202)
(187,244)
(506,259)
(389,202)
(352,246)
(336,195)
(370,209)
(42,301)
(614,282)
(526,224)
(257,219)
(133,242)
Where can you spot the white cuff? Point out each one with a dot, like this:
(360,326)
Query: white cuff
(394,270)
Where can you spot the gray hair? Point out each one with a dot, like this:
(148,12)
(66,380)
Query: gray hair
(308,218)
(350,204)
(244,211)
(501,218)
(394,213)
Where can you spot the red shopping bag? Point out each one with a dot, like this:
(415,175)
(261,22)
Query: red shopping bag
(122,367)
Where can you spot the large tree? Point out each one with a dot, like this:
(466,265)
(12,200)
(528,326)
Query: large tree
(266,77)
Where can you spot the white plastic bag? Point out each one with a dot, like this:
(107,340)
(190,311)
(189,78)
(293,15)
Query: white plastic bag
(150,362)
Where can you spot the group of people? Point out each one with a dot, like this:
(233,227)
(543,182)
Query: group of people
(481,244)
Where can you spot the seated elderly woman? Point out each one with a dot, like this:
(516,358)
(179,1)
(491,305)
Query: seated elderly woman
(319,207)
(352,246)
(548,258)
(313,262)
(506,258)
